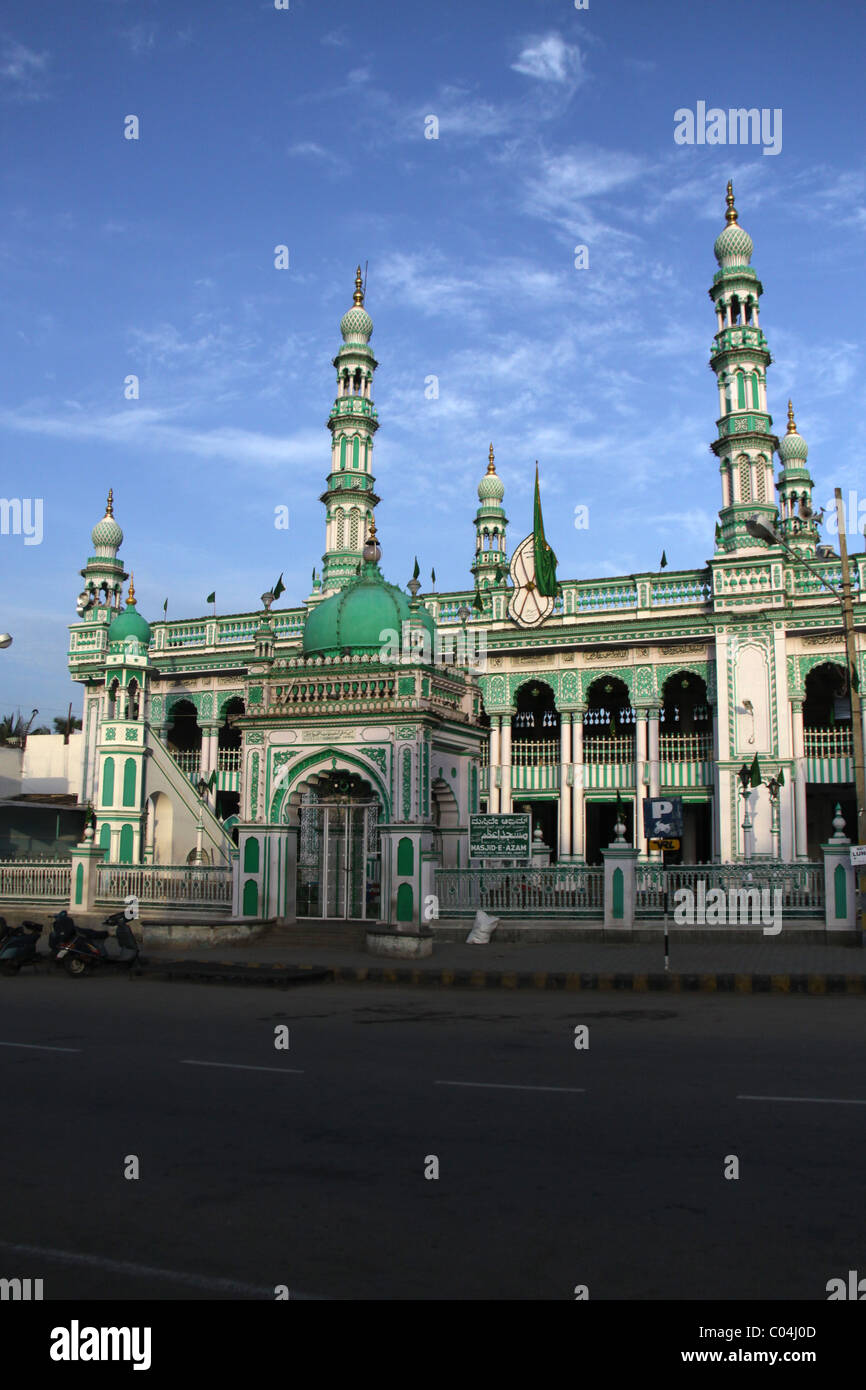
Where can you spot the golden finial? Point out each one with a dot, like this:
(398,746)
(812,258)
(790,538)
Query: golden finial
(491,467)
(792,428)
(131,598)
(731,214)
(358,296)
(372,535)
(109,505)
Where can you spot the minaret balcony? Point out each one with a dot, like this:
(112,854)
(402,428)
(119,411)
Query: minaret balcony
(743,422)
(739,336)
(353,405)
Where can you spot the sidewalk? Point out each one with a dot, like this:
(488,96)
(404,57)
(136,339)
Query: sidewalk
(769,966)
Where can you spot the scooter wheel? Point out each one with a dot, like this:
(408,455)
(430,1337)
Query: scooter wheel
(73,966)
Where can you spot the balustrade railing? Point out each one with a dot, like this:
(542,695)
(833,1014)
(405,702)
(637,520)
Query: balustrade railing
(570,890)
(685,748)
(534,752)
(801,887)
(829,743)
(228,759)
(190,763)
(166,885)
(45,880)
(619,749)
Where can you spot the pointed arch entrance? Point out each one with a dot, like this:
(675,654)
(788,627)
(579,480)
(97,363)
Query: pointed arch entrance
(338,815)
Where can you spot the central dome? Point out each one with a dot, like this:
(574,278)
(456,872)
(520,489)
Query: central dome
(355,618)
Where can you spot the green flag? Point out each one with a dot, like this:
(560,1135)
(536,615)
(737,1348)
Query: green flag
(211,598)
(432,576)
(165,608)
(279,588)
(755,773)
(855,679)
(498,574)
(416,571)
(478,604)
(212,779)
(545,560)
(781,777)
(664,562)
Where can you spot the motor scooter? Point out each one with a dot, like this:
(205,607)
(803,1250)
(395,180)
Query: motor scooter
(62,931)
(90,950)
(19,947)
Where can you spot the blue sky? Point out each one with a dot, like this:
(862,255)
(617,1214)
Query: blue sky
(306,127)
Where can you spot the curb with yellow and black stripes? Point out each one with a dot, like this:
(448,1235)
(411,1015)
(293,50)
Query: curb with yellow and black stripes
(285,976)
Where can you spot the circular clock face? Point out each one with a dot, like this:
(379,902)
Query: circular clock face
(527,607)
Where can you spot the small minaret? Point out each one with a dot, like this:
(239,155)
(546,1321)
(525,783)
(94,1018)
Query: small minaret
(740,357)
(349,498)
(103,574)
(797,521)
(490,523)
(121,741)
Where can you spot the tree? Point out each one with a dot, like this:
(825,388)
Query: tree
(63,726)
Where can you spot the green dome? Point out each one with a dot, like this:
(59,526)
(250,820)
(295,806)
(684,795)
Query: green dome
(129,623)
(491,488)
(356,617)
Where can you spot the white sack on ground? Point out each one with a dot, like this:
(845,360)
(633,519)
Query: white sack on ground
(482,930)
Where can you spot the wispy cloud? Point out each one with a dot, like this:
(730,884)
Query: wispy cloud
(550,59)
(23,72)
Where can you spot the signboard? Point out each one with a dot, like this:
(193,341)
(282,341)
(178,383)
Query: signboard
(858,854)
(500,836)
(663,817)
(664,844)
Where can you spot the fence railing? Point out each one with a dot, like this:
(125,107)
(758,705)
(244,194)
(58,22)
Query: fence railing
(619,749)
(801,885)
(168,885)
(190,763)
(569,890)
(685,748)
(535,752)
(45,880)
(829,743)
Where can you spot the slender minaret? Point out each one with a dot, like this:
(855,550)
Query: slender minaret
(103,574)
(797,521)
(739,358)
(349,498)
(490,524)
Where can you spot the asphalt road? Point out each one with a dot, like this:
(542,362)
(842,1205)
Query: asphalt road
(306,1168)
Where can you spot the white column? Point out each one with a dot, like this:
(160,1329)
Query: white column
(577,792)
(493,798)
(640,757)
(505,800)
(564,788)
(801,847)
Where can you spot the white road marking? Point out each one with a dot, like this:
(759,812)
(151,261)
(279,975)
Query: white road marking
(195,1281)
(239,1066)
(502,1086)
(40,1047)
(806,1100)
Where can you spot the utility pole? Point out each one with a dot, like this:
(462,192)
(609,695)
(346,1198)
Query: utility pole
(853,687)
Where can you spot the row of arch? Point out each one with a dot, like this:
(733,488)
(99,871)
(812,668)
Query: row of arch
(356,441)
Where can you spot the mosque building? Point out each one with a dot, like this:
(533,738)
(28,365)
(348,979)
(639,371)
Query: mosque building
(334,771)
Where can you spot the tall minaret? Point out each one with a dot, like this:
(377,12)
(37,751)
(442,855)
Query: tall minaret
(797,521)
(349,499)
(490,524)
(739,358)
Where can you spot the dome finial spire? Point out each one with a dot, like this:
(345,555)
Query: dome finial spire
(131,598)
(358,297)
(109,504)
(491,466)
(792,428)
(731,214)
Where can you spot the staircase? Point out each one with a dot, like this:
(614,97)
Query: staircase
(316,932)
(187,802)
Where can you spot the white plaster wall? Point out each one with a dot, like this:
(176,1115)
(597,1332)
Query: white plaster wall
(50,765)
(10,771)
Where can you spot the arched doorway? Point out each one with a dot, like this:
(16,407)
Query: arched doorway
(609,742)
(829,739)
(686,737)
(338,846)
(535,758)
